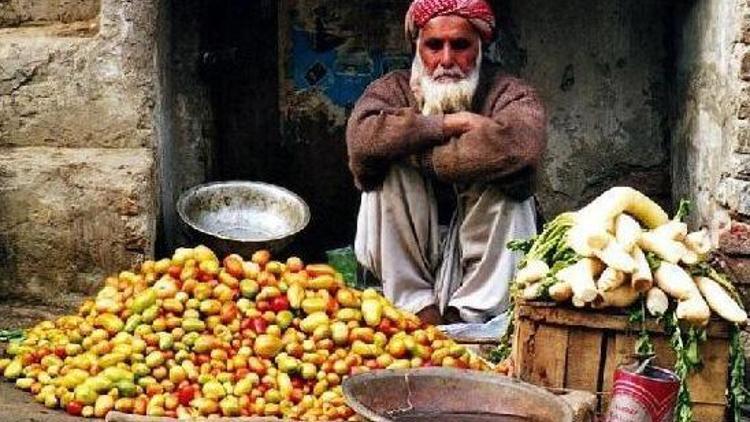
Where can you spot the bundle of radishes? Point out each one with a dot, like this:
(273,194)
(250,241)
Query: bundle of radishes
(619,247)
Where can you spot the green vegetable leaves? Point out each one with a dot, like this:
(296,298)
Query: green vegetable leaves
(11,335)
(502,351)
(520,245)
(686,348)
(737,395)
(683,210)
(653,261)
(644,346)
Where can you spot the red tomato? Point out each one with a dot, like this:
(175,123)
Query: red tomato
(259,325)
(202,358)
(185,395)
(332,306)
(60,352)
(228,313)
(42,352)
(174,271)
(298,382)
(280,303)
(263,306)
(74,408)
(28,359)
(154,389)
(245,324)
(204,277)
(385,325)
(240,373)
(296,396)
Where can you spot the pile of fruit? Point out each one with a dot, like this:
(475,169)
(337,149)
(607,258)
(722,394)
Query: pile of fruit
(194,336)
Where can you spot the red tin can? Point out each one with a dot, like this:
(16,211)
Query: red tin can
(648,396)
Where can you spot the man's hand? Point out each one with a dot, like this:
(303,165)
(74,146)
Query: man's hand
(456,124)
(430,315)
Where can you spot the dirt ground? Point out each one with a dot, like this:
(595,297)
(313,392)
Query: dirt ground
(18,406)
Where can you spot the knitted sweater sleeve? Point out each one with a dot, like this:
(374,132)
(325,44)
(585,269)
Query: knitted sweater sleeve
(509,146)
(385,127)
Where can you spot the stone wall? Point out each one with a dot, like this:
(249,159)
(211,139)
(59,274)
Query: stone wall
(14,13)
(711,160)
(77,134)
(705,109)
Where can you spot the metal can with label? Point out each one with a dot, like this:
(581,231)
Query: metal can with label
(643,394)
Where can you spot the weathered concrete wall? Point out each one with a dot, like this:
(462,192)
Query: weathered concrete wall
(77,98)
(601,69)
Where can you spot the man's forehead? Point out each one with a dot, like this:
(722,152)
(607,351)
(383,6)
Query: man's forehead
(449,27)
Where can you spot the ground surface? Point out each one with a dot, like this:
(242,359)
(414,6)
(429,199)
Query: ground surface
(18,406)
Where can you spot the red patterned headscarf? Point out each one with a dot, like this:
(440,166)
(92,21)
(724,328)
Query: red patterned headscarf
(478,12)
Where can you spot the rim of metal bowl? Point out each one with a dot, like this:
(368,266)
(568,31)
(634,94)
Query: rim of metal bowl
(474,375)
(183,198)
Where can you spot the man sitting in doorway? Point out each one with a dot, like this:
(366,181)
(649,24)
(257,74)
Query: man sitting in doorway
(457,123)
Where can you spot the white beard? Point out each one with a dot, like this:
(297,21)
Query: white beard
(437,97)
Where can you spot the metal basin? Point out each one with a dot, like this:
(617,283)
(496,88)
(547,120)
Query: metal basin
(242,217)
(444,394)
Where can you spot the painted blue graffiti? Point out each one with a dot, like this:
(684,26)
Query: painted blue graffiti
(341,74)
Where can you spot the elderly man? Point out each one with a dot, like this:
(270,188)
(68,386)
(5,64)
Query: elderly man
(452,121)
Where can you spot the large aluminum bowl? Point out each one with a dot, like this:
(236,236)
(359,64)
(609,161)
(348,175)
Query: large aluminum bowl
(242,217)
(448,395)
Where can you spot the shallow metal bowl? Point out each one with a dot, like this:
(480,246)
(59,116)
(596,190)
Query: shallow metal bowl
(242,217)
(443,395)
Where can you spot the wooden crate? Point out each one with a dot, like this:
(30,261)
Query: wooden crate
(559,347)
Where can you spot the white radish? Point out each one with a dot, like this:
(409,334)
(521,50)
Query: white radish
(599,303)
(533,291)
(627,231)
(580,276)
(578,303)
(610,279)
(694,310)
(720,301)
(675,230)
(675,281)
(605,208)
(689,257)
(641,279)
(615,256)
(699,242)
(621,297)
(534,270)
(657,302)
(561,292)
(666,248)
(584,239)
